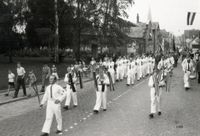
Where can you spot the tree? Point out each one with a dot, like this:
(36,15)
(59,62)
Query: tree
(11,17)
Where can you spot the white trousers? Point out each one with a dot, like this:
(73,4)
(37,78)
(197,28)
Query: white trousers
(112,73)
(119,73)
(51,110)
(70,95)
(124,71)
(140,69)
(130,77)
(155,100)
(101,98)
(186,79)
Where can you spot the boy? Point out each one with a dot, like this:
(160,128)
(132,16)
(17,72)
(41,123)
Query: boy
(11,81)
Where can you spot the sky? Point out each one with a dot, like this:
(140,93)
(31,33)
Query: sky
(171,14)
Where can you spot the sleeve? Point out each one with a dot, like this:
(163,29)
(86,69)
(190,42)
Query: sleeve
(183,65)
(150,82)
(75,78)
(49,71)
(66,78)
(62,93)
(159,67)
(24,71)
(106,81)
(35,79)
(45,97)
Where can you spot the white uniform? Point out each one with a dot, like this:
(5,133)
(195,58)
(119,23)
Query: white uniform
(101,95)
(155,97)
(187,68)
(138,69)
(70,93)
(119,70)
(134,68)
(112,71)
(161,64)
(130,74)
(53,92)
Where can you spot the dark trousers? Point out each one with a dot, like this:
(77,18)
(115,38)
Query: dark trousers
(199,77)
(20,82)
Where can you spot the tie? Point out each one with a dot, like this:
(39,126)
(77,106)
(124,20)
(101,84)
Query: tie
(51,91)
(103,86)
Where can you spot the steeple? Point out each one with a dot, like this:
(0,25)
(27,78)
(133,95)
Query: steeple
(149,18)
(138,18)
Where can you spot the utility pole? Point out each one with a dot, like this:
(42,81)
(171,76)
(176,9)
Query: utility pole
(56,32)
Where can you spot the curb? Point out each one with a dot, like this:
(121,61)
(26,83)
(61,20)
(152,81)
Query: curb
(28,97)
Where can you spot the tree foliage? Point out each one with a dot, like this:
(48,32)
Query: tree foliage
(80,21)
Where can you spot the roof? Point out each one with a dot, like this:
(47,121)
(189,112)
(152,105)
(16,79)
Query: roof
(164,33)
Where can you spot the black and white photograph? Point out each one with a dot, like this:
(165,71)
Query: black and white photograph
(100,67)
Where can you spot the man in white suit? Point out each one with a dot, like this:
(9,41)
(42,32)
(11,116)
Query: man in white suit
(155,94)
(101,91)
(53,96)
(187,66)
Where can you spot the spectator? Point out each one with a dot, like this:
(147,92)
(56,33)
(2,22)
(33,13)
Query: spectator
(20,80)
(46,72)
(11,81)
(32,81)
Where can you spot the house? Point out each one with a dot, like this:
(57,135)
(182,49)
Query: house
(144,37)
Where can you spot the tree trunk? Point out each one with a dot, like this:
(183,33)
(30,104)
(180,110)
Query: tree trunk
(56,31)
(10,55)
(78,33)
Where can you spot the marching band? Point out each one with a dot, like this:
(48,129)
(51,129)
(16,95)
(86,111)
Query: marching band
(105,74)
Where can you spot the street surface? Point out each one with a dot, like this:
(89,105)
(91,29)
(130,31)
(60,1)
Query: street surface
(126,115)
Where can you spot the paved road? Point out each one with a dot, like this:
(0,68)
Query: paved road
(127,114)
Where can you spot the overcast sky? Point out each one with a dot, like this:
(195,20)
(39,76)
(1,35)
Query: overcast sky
(171,14)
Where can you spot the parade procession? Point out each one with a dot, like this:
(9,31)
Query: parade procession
(99,68)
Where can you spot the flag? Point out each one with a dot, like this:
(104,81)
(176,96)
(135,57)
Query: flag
(190,18)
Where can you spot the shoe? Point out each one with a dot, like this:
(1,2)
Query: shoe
(75,106)
(150,116)
(159,113)
(66,107)
(42,90)
(14,97)
(58,132)
(104,109)
(6,94)
(127,85)
(44,134)
(96,111)
(186,89)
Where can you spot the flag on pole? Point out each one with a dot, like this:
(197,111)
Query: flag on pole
(190,18)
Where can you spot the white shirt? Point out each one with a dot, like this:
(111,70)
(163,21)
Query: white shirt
(20,71)
(105,81)
(11,77)
(57,93)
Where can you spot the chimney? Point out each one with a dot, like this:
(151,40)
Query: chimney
(138,18)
